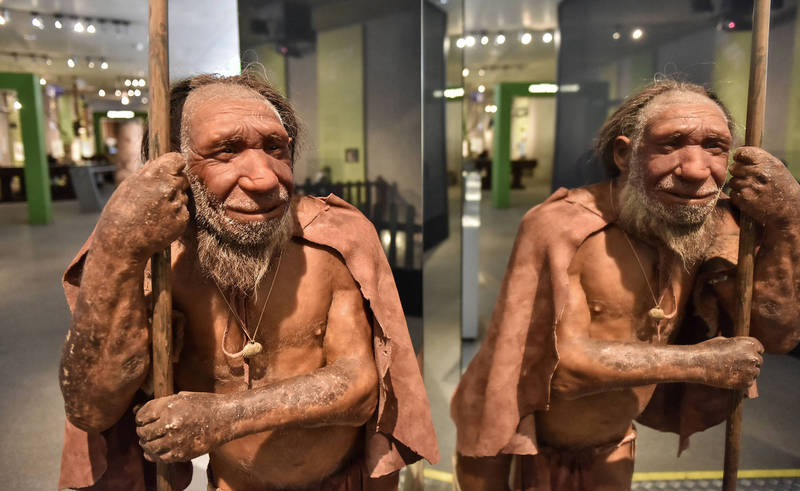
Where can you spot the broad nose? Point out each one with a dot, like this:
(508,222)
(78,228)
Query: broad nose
(257,172)
(694,164)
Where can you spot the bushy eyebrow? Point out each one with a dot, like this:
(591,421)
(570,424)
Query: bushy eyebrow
(231,140)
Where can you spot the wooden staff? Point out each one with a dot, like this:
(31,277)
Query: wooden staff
(159,144)
(756,102)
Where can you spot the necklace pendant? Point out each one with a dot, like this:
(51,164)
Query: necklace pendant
(251,349)
(656,313)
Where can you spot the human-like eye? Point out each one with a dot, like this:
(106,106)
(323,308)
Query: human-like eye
(716,146)
(226,149)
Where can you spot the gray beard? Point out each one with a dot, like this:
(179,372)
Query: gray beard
(234,254)
(684,229)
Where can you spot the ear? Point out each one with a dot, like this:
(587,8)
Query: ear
(622,153)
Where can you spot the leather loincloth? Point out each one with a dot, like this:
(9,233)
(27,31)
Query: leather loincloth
(603,467)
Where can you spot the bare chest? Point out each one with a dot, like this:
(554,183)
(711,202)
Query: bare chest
(633,291)
(290,326)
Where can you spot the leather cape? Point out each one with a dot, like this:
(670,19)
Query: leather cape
(509,378)
(400,433)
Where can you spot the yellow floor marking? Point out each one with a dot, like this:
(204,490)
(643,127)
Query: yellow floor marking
(443,476)
(744,474)
(437,475)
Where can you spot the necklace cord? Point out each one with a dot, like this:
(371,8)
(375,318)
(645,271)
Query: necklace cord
(656,302)
(250,338)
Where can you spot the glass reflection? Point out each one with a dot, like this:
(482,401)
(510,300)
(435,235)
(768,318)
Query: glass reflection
(535,102)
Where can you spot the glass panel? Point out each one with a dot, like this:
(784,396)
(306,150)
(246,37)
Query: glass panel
(534,104)
(442,138)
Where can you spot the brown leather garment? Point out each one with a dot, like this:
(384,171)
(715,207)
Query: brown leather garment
(509,378)
(400,433)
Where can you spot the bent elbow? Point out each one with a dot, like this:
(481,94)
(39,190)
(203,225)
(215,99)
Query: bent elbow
(88,421)
(565,385)
(365,402)
(781,345)
(571,378)
(779,336)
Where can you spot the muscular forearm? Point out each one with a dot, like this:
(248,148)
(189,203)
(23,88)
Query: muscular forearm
(775,318)
(588,366)
(342,393)
(106,356)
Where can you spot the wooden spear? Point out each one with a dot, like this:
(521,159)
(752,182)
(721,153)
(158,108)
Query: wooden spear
(756,102)
(159,144)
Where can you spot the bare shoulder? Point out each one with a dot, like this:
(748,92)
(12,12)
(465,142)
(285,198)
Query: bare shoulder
(324,264)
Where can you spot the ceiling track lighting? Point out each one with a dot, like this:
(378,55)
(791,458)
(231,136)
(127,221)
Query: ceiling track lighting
(526,37)
(88,25)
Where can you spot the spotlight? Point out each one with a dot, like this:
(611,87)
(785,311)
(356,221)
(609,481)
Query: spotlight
(499,39)
(470,41)
(127,82)
(465,72)
(526,38)
(460,42)
(137,92)
(4,18)
(484,40)
(490,108)
(135,82)
(101,93)
(481,89)
(91,29)
(637,34)
(78,27)
(71,62)
(36,21)
(547,37)
(481,72)
(616,35)
(42,81)
(48,61)
(90,63)
(145,100)
(124,101)
(130,92)
(103,65)
(117,93)
(58,24)
(141,82)
(17,105)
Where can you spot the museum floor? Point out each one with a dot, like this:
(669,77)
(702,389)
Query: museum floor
(34,320)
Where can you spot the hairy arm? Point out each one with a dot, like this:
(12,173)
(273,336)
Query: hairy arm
(341,392)
(106,356)
(588,365)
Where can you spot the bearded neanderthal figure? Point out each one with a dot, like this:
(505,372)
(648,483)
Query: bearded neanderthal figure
(614,298)
(295,367)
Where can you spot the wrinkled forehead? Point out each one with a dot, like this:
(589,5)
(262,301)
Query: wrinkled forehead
(210,96)
(679,104)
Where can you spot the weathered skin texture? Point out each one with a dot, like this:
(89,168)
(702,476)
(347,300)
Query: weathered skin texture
(610,355)
(315,384)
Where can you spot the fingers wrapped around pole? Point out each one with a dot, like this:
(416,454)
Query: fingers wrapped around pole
(158,121)
(756,103)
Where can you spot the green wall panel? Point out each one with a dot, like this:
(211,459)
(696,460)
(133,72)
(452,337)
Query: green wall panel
(37,175)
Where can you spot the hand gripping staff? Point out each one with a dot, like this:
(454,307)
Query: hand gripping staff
(756,102)
(158,121)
